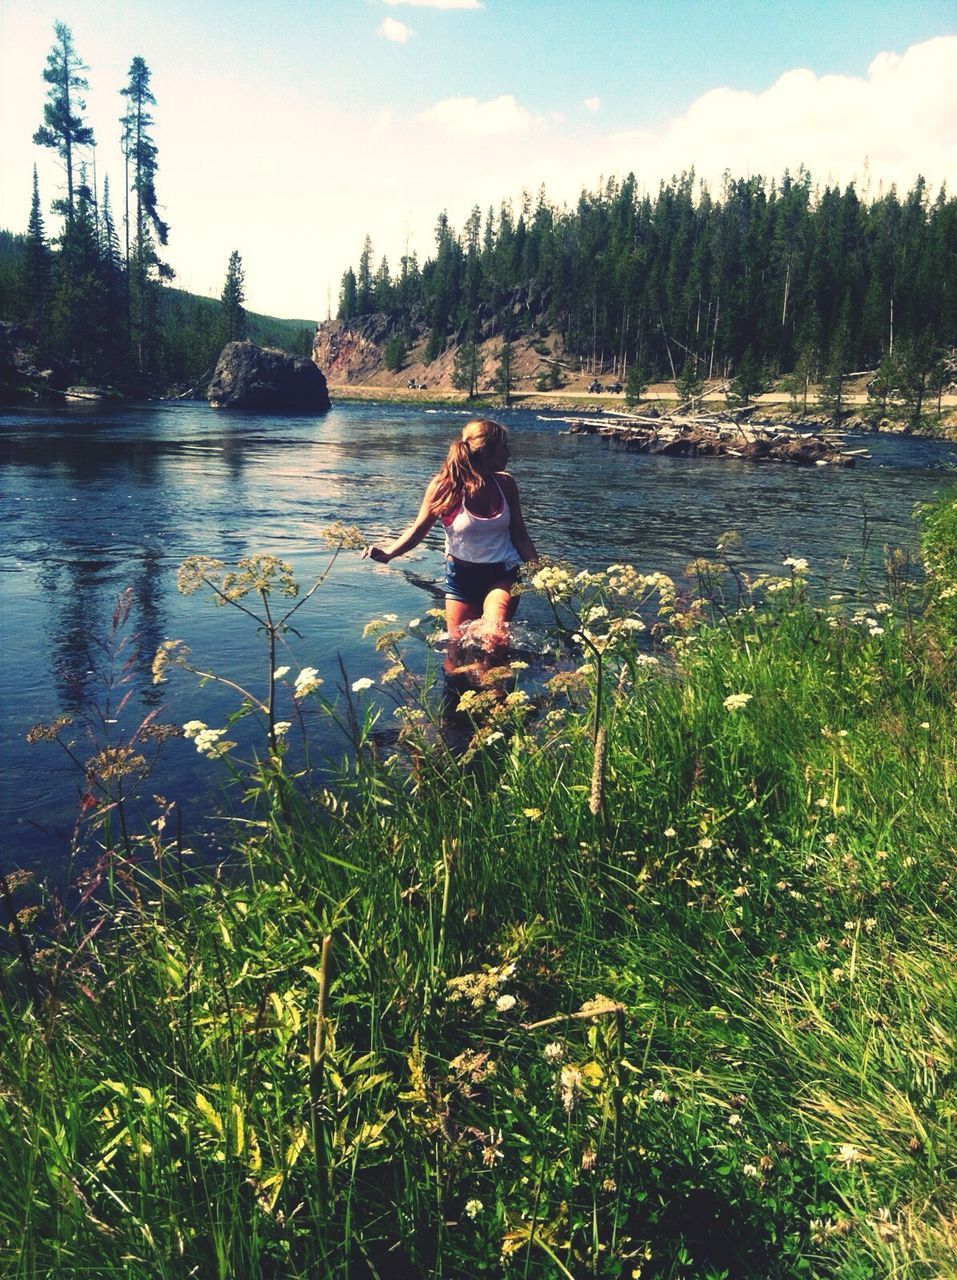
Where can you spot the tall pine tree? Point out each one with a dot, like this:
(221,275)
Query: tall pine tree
(233,297)
(144,267)
(37,263)
(63,129)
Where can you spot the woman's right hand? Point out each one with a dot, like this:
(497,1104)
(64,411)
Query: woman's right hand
(377,554)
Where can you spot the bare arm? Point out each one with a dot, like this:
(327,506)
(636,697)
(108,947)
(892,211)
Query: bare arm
(517,531)
(410,537)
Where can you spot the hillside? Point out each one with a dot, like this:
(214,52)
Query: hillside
(352,355)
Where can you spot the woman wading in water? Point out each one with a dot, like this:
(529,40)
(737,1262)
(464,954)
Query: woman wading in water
(485,536)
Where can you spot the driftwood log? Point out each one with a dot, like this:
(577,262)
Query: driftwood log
(718,436)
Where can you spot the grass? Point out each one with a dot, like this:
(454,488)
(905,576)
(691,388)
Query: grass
(461,1016)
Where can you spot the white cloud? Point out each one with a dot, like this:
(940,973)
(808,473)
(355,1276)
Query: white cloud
(438,4)
(496,117)
(897,121)
(393,30)
(593,103)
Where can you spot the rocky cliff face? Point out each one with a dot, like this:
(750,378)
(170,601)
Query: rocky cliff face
(352,351)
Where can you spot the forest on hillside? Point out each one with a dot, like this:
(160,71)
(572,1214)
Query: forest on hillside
(764,279)
(96,296)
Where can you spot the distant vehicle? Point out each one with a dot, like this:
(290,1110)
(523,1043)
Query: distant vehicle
(595,388)
(614,387)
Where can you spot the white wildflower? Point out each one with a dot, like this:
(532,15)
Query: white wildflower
(281,728)
(280,672)
(553,1052)
(307,681)
(192,727)
(473,1208)
(206,740)
(735,701)
(571,1082)
(505,1002)
(359,685)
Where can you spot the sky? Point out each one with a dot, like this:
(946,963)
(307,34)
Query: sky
(291,129)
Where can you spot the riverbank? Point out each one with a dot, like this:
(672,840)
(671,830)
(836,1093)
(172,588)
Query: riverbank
(678,1001)
(772,407)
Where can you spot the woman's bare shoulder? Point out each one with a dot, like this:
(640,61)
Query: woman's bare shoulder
(507,482)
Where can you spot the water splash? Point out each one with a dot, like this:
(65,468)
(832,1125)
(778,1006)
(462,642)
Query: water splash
(480,637)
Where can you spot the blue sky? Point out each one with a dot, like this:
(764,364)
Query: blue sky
(289,130)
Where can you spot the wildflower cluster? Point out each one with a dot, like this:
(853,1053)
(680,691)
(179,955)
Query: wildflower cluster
(555,580)
(208,742)
(342,537)
(483,987)
(48,731)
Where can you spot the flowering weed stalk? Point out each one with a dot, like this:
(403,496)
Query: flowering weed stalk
(259,576)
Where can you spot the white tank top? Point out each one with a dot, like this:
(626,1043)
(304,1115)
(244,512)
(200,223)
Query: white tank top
(481,539)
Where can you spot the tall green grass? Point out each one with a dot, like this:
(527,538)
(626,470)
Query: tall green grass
(704,1027)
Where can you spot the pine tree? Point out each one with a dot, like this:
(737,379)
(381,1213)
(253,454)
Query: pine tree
(883,387)
(798,381)
(144,267)
(37,264)
(918,357)
(636,384)
(467,366)
(233,297)
(748,380)
(396,351)
(79,311)
(364,281)
(109,239)
(831,392)
(689,383)
(504,381)
(63,129)
(348,296)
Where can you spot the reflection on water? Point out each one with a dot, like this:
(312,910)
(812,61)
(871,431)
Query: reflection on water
(97,500)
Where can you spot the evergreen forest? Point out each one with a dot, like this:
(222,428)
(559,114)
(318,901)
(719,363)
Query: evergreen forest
(766,278)
(96,296)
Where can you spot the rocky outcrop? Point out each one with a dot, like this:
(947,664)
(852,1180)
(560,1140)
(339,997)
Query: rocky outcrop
(352,351)
(23,376)
(264,379)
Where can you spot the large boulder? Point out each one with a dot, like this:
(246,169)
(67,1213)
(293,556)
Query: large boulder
(262,378)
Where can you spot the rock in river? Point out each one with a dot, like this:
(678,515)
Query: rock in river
(251,377)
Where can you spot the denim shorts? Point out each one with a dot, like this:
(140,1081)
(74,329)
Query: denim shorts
(470,583)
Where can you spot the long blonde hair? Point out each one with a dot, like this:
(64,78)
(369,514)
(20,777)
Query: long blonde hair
(467,465)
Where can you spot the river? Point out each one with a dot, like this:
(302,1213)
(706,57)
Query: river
(100,499)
